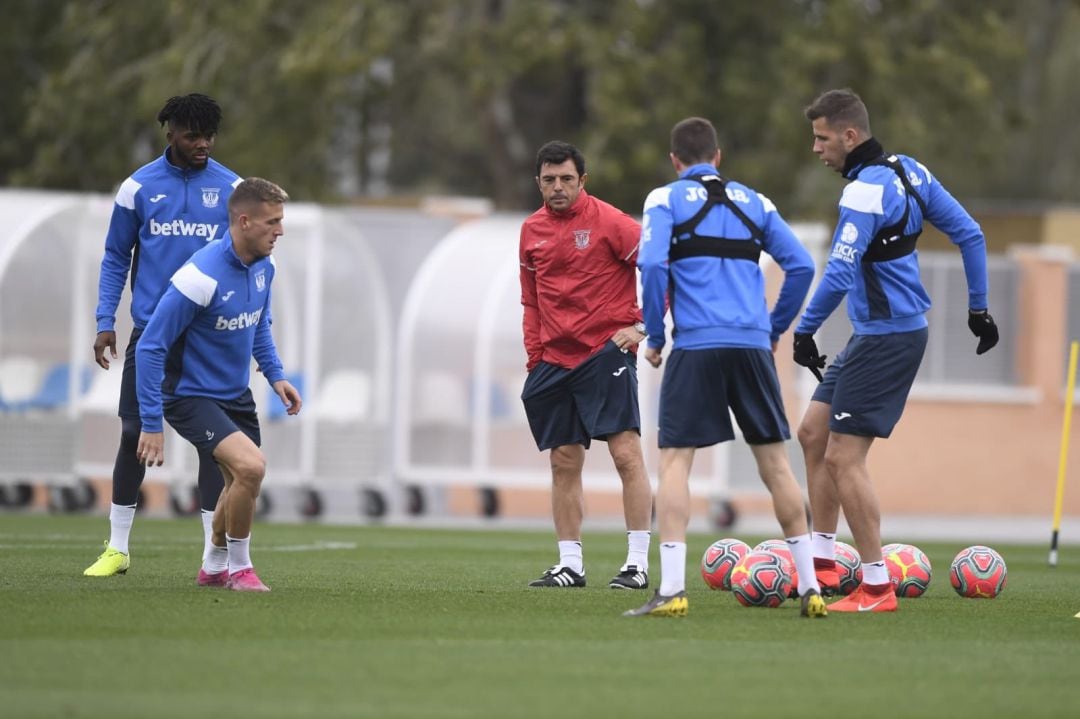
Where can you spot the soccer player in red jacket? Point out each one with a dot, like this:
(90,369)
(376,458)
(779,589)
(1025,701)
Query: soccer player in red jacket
(582,326)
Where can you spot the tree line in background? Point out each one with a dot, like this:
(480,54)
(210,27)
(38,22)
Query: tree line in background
(343,100)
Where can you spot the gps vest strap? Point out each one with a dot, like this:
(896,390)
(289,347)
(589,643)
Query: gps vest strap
(696,245)
(890,242)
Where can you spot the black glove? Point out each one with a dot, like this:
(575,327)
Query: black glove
(982,326)
(807,355)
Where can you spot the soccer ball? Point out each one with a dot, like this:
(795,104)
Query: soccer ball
(781,549)
(909,569)
(719,559)
(759,580)
(978,572)
(848,566)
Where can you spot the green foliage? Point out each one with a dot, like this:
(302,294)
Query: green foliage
(395,622)
(343,99)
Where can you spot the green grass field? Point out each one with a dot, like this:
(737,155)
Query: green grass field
(389,622)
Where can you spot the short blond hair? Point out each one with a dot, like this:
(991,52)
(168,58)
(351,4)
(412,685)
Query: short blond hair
(255,190)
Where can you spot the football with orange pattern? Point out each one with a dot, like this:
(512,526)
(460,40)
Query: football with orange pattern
(909,569)
(978,572)
(760,580)
(719,559)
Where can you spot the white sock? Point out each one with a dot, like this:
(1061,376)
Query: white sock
(208,531)
(570,556)
(239,553)
(802,553)
(120,520)
(824,545)
(875,573)
(672,568)
(216,560)
(638,549)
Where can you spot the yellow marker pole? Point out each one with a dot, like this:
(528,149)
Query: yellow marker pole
(1059,495)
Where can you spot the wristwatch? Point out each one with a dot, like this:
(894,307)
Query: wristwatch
(640,327)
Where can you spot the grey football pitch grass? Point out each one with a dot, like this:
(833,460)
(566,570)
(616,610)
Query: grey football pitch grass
(394,622)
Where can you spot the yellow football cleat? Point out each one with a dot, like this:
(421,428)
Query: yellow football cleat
(813,605)
(677,605)
(109,563)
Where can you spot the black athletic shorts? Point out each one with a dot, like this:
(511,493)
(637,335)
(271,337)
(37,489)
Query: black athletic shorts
(205,422)
(867,385)
(597,398)
(700,386)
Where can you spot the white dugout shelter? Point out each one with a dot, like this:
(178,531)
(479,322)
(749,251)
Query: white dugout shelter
(41,366)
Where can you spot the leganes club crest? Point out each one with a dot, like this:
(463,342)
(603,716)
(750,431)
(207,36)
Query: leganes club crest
(211,196)
(581,239)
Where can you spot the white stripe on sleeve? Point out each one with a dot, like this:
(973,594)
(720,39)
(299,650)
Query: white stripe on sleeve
(125,196)
(195,284)
(660,197)
(863,197)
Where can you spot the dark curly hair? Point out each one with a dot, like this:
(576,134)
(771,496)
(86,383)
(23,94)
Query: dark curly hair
(196,112)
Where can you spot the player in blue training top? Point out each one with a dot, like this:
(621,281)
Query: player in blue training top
(700,243)
(163,213)
(874,263)
(194,366)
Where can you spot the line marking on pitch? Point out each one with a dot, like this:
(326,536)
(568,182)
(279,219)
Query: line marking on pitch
(316,547)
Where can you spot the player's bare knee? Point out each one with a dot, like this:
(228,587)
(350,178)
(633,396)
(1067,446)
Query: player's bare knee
(813,438)
(249,471)
(565,460)
(836,463)
(628,462)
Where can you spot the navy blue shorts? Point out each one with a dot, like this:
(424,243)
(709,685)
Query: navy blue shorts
(701,385)
(205,422)
(129,399)
(867,385)
(597,398)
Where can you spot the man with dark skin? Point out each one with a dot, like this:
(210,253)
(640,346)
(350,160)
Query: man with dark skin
(164,212)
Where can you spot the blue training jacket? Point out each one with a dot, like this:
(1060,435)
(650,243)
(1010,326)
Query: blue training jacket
(717,301)
(888,296)
(212,319)
(161,216)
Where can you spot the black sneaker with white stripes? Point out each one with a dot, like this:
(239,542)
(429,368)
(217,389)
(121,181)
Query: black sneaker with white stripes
(559,576)
(630,577)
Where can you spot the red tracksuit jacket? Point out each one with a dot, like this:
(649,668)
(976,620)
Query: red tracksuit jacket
(578,280)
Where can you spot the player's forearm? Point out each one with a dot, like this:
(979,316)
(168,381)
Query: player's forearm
(792,294)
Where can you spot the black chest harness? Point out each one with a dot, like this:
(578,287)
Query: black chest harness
(686,242)
(890,242)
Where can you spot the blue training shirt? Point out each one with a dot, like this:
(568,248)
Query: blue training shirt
(161,216)
(212,319)
(888,297)
(717,301)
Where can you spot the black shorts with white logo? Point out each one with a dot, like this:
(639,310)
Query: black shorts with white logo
(204,421)
(597,398)
(867,385)
(700,386)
